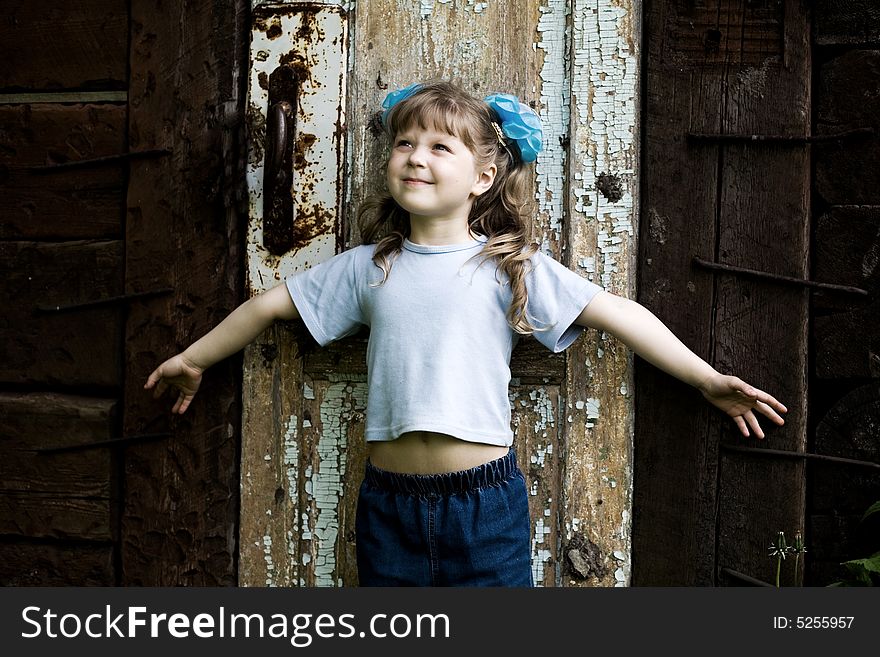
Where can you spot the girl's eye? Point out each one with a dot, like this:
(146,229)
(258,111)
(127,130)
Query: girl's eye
(442,147)
(402,142)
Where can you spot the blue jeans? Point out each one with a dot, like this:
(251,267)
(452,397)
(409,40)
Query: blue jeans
(467,528)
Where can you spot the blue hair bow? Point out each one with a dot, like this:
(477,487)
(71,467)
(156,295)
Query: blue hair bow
(518,121)
(395,97)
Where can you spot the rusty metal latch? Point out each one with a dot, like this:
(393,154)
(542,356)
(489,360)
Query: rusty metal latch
(799,455)
(717,266)
(278,210)
(98,161)
(104,302)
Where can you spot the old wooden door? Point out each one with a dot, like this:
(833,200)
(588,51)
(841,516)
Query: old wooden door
(726,180)
(303,447)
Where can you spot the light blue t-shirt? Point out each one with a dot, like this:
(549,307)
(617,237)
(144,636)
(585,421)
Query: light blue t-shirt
(438,357)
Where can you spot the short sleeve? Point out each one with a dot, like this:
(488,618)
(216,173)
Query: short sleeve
(327,298)
(557,296)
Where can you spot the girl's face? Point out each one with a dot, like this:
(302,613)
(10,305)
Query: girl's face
(433,175)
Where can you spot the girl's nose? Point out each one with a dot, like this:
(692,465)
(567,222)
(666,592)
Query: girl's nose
(417,157)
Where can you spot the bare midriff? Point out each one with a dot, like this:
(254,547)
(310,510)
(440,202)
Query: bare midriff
(424,452)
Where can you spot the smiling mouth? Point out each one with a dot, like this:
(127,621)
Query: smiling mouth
(416,181)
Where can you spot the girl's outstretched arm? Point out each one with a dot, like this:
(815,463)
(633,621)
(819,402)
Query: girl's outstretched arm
(641,330)
(183,372)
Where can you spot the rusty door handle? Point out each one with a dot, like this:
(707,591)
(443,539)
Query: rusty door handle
(278,179)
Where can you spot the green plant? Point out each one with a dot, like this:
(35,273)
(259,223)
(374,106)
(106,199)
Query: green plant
(862,572)
(781,549)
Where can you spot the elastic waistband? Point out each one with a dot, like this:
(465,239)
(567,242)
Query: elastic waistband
(446,483)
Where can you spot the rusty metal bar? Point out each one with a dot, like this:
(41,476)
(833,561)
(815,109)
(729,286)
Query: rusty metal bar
(108,301)
(113,442)
(746,578)
(97,161)
(781,139)
(799,455)
(717,266)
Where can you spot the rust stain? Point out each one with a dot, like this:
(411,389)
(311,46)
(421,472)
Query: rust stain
(256,121)
(304,142)
(263,80)
(310,222)
(274,30)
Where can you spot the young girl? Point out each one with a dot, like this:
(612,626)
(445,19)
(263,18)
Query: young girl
(450,283)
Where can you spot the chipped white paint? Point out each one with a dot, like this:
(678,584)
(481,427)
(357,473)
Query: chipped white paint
(270,566)
(555,85)
(602,234)
(543,407)
(605,96)
(541,549)
(291,454)
(339,405)
(320,112)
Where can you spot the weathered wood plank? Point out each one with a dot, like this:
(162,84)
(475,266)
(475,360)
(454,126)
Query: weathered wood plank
(271,518)
(69,204)
(332,457)
(537,427)
(599,244)
(61,45)
(846,22)
(760,328)
(55,564)
(674,500)
(61,495)
(181,495)
(848,172)
(41,420)
(846,248)
(74,348)
(46,515)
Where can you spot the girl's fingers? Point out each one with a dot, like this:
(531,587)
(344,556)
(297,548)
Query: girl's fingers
(753,422)
(743,429)
(770,413)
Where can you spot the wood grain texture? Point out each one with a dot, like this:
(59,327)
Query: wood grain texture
(181,495)
(599,241)
(83,203)
(61,45)
(74,348)
(51,564)
(396,42)
(741,205)
(63,495)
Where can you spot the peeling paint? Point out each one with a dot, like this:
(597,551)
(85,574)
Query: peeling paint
(555,117)
(343,402)
(312,40)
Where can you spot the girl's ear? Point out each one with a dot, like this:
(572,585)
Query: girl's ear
(484,180)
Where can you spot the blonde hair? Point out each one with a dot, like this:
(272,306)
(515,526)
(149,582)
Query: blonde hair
(500,213)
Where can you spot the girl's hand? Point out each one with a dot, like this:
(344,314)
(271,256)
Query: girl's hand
(740,401)
(180,373)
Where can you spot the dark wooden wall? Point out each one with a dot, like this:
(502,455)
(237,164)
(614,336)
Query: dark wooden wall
(845,391)
(140,103)
(717,73)
(706,509)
